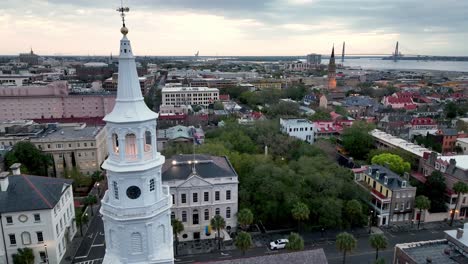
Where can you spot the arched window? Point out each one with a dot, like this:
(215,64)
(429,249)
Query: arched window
(130,146)
(161,233)
(116,190)
(151,185)
(148,141)
(217,212)
(115,143)
(26,238)
(228,212)
(195,217)
(137,243)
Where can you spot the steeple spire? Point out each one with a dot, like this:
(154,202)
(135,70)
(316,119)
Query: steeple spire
(333,51)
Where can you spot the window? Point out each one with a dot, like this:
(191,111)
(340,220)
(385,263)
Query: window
(228,212)
(9,220)
(151,185)
(42,255)
(40,237)
(195,217)
(37,217)
(183,197)
(195,197)
(12,239)
(217,195)
(228,195)
(206,196)
(207,215)
(172,216)
(26,238)
(116,190)
(184,216)
(173,199)
(217,211)
(396,206)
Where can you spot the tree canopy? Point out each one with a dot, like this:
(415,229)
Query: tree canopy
(24,256)
(33,161)
(378,242)
(357,141)
(296,242)
(395,162)
(243,241)
(245,218)
(435,188)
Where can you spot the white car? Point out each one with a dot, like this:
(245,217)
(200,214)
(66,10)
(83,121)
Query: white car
(278,244)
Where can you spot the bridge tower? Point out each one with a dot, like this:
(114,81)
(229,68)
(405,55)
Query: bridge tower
(397,53)
(343,53)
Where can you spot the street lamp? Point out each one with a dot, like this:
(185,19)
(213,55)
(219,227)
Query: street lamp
(46,254)
(98,190)
(370,220)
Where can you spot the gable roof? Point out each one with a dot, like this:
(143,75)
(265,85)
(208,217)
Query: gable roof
(179,167)
(28,193)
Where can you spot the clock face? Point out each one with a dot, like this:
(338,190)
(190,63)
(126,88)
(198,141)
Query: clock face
(133,192)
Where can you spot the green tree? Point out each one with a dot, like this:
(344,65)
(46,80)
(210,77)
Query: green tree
(459,188)
(218,223)
(24,256)
(357,141)
(296,242)
(434,188)
(33,160)
(177,228)
(81,219)
(345,242)
(378,242)
(353,211)
(97,176)
(300,212)
(321,115)
(422,203)
(245,218)
(395,162)
(243,241)
(451,110)
(90,200)
(218,106)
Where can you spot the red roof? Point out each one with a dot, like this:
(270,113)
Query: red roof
(87,120)
(399,100)
(423,121)
(172,117)
(411,107)
(224,97)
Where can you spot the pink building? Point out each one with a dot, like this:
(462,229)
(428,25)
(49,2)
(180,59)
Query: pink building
(52,101)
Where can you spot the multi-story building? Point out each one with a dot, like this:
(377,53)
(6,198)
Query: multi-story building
(314,59)
(201,186)
(262,84)
(189,96)
(146,82)
(462,145)
(451,249)
(302,129)
(74,145)
(422,126)
(447,138)
(36,213)
(392,196)
(52,101)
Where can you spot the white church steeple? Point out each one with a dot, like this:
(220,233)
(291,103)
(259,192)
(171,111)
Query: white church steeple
(136,206)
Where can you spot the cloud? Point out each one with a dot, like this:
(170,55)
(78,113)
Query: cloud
(237,27)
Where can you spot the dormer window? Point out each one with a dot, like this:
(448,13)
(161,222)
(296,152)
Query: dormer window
(369,171)
(403,184)
(385,180)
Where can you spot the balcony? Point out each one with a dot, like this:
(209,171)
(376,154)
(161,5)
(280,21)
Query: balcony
(374,192)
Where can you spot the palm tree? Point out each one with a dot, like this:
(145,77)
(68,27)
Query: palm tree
(243,241)
(245,218)
(24,256)
(90,200)
(218,223)
(422,203)
(378,241)
(459,188)
(345,242)
(177,228)
(300,212)
(295,243)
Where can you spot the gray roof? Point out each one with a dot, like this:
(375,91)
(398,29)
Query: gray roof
(449,131)
(28,193)
(316,256)
(434,250)
(206,166)
(69,133)
(394,180)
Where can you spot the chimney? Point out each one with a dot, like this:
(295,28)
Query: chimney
(15,169)
(4,181)
(459,233)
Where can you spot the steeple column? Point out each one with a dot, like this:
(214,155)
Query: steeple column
(122,147)
(140,146)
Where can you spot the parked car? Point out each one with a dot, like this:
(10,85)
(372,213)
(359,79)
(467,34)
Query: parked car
(278,244)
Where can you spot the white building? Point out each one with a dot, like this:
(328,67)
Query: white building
(463,144)
(136,207)
(302,129)
(37,213)
(202,186)
(189,95)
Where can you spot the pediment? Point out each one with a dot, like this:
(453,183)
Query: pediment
(194,181)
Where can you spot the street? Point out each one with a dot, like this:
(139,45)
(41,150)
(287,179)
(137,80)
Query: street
(92,248)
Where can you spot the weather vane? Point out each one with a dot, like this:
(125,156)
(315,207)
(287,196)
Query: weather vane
(122,11)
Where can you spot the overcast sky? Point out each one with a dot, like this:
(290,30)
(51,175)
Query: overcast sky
(235,27)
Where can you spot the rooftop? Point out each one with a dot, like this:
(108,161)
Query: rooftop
(462,160)
(435,250)
(179,167)
(394,181)
(70,133)
(28,193)
(399,143)
(316,256)
(189,89)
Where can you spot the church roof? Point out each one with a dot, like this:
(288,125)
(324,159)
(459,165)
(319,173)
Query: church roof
(28,193)
(179,167)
